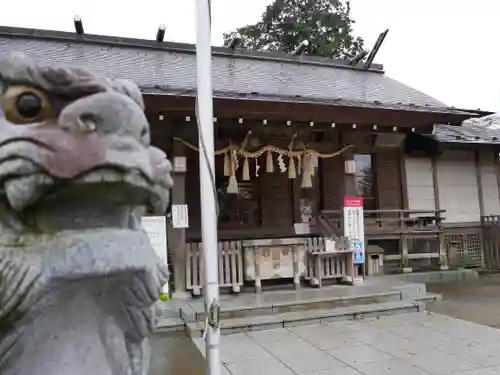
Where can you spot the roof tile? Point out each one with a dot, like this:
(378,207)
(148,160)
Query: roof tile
(177,70)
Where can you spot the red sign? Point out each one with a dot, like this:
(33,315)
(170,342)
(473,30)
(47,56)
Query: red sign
(353,201)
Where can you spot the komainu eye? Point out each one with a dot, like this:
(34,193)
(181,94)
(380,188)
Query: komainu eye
(24,105)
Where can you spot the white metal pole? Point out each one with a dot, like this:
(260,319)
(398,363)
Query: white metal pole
(207,190)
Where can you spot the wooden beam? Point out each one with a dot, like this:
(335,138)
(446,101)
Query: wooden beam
(434,162)
(177,237)
(496,159)
(375,49)
(303,112)
(477,164)
(404,180)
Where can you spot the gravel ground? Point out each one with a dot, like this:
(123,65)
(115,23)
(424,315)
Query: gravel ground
(477,301)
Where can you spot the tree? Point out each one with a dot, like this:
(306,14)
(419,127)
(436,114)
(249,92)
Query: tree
(325,24)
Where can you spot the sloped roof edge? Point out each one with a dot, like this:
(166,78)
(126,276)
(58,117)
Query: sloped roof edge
(153,63)
(169,91)
(181,47)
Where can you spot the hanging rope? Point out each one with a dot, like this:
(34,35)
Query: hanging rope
(264,149)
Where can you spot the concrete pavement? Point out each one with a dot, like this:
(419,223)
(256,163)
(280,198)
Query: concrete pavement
(410,344)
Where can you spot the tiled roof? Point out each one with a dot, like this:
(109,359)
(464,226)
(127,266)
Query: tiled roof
(484,129)
(173,66)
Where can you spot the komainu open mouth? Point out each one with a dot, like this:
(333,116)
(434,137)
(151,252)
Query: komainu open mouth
(51,145)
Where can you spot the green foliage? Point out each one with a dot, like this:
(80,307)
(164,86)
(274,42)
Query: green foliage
(325,24)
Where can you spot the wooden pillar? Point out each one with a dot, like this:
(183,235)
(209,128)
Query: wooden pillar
(177,236)
(404,255)
(349,190)
(497,169)
(437,203)
(443,258)
(482,208)
(403,177)
(477,164)
(349,187)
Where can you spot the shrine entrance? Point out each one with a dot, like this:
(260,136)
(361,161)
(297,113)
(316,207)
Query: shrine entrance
(268,185)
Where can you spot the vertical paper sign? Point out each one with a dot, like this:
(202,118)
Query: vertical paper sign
(180,216)
(354,227)
(156,228)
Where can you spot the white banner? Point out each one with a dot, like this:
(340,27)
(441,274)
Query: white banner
(180,216)
(354,227)
(156,228)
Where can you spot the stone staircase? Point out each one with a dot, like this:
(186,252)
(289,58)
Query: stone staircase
(277,318)
(269,310)
(380,295)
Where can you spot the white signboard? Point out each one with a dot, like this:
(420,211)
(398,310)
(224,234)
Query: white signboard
(301,228)
(156,228)
(180,164)
(180,216)
(354,227)
(329,245)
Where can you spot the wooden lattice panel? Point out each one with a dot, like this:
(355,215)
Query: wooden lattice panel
(464,249)
(473,246)
(230,265)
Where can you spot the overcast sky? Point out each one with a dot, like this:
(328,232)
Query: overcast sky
(446,48)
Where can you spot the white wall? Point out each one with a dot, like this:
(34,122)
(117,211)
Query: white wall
(489,183)
(458,188)
(420,183)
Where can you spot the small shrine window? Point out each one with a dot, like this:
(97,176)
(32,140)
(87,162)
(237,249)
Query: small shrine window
(365,186)
(240,208)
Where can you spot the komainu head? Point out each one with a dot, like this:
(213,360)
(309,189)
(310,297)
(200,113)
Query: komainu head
(67,134)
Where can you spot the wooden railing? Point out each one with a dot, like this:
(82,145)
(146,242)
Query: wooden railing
(313,262)
(395,221)
(230,266)
(321,264)
(327,228)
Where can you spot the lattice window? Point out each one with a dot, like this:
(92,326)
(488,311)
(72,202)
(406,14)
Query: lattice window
(464,249)
(473,246)
(454,246)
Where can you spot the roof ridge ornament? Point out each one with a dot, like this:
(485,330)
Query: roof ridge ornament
(77,21)
(375,49)
(235,41)
(301,48)
(160,34)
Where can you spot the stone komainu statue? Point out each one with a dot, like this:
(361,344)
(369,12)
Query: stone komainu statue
(78,276)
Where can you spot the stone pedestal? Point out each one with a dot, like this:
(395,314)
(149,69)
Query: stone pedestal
(78,276)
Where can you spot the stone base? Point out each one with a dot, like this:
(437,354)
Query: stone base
(180,295)
(407,270)
(358,280)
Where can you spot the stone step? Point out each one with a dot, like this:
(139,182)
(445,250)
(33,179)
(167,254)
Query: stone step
(288,319)
(170,325)
(429,298)
(325,302)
